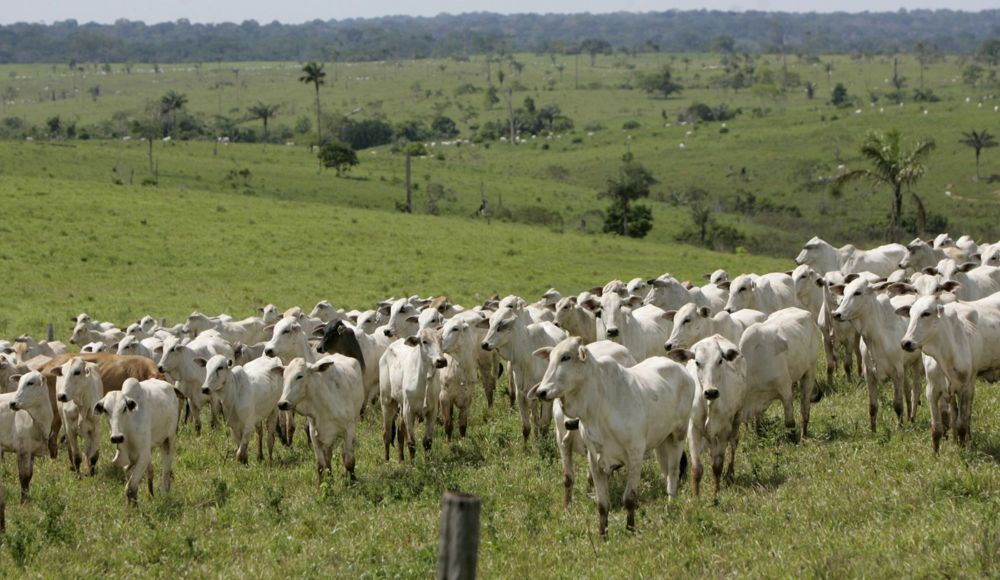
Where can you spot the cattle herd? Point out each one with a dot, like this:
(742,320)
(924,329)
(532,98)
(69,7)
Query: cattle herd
(623,369)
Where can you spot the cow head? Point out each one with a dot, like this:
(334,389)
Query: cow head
(566,371)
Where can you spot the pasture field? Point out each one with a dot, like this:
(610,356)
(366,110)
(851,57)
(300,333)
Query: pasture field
(843,503)
(787,144)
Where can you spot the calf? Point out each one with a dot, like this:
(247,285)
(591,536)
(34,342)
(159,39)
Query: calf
(693,323)
(624,413)
(873,315)
(338,337)
(142,417)
(512,333)
(780,352)
(642,330)
(178,362)
(406,371)
(25,423)
(83,334)
(326,312)
(92,347)
(78,388)
(576,319)
(33,348)
(249,395)
(248,331)
(330,393)
(718,404)
(151,348)
(964,340)
(850,260)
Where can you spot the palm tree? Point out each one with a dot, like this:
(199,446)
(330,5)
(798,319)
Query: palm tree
(978,141)
(170,103)
(263,112)
(312,73)
(893,167)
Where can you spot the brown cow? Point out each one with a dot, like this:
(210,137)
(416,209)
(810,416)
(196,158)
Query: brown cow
(114,370)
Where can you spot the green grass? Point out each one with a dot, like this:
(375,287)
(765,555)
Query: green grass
(788,143)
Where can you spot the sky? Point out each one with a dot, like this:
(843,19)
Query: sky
(295,11)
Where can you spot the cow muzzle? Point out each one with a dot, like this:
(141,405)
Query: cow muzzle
(486,346)
(161,369)
(206,391)
(711,394)
(116,439)
(284,406)
(612,332)
(14,406)
(729,310)
(62,398)
(839,316)
(909,345)
(441,363)
(388,332)
(669,346)
(269,351)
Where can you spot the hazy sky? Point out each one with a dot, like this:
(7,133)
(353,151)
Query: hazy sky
(293,11)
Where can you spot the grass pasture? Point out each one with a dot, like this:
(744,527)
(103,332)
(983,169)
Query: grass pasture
(844,503)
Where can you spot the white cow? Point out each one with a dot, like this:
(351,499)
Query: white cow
(640,329)
(32,348)
(248,331)
(575,318)
(92,347)
(178,362)
(151,348)
(78,388)
(718,404)
(83,334)
(249,395)
(142,417)
(25,422)
(331,394)
(850,260)
(874,316)
(513,334)
(768,293)
(624,413)
(693,323)
(964,339)
(780,352)
(326,312)
(407,388)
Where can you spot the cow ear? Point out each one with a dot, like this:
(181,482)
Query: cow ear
(229,363)
(965,267)
(484,323)
(669,314)
(201,362)
(949,286)
(269,329)
(730,354)
(681,355)
(724,285)
(99,407)
(704,312)
(838,289)
(57,371)
(597,290)
(278,369)
(851,277)
(931,271)
(14,379)
(706,276)
(319,331)
(897,288)
(903,311)
(130,404)
(543,352)
(789,272)
(657,283)
(753,285)
(323,366)
(582,353)
(820,282)
(413,319)
(591,304)
(780,345)
(634,301)
(412,340)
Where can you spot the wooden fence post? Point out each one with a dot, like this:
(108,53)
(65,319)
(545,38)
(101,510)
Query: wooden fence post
(50,332)
(458,548)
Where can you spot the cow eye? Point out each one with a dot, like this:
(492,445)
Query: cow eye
(76,373)
(719,363)
(685,321)
(284,331)
(742,289)
(564,358)
(697,364)
(299,376)
(925,315)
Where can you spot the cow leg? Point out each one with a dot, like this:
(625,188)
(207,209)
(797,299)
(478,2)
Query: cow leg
(963,426)
(410,420)
(696,445)
(446,410)
(564,442)
(429,420)
(831,357)
(400,437)
(718,461)
(166,470)
(872,384)
(149,477)
(669,455)
(259,428)
(633,475)
(512,380)
(272,423)
(25,469)
(347,452)
(898,393)
(463,418)
(525,412)
(388,425)
(853,353)
(92,446)
(72,448)
(603,495)
(242,443)
(806,386)
(543,418)
(196,411)
(135,474)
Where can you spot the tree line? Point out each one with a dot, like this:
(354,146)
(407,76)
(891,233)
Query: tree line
(403,37)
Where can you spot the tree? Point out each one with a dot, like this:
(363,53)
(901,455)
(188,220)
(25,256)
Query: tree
(339,156)
(989,51)
(632,183)
(264,112)
(170,103)
(594,47)
(893,166)
(810,90)
(978,141)
(312,73)
(723,44)
(838,97)
(660,82)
